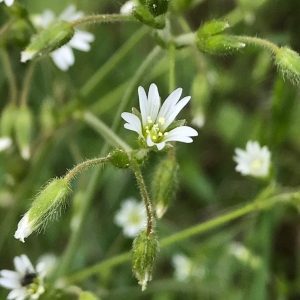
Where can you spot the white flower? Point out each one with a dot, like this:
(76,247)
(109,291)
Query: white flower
(128,7)
(8,2)
(254,161)
(185,268)
(198,119)
(132,217)
(155,122)
(182,267)
(26,282)
(64,56)
(5,143)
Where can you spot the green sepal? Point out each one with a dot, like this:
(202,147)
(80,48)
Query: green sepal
(157,7)
(176,124)
(220,44)
(48,40)
(211,28)
(142,14)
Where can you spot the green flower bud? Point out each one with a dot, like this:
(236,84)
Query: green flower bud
(119,158)
(47,118)
(8,119)
(288,63)
(48,40)
(144,251)
(157,7)
(142,14)
(164,185)
(23,130)
(211,28)
(219,44)
(46,206)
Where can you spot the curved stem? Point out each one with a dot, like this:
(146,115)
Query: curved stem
(105,131)
(254,206)
(77,169)
(259,42)
(13,88)
(26,85)
(103,19)
(172,68)
(113,61)
(144,193)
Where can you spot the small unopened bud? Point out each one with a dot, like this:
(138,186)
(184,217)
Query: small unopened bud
(219,44)
(288,63)
(45,207)
(8,119)
(119,158)
(142,14)
(144,251)
(164,185)
(211,28)
(157,7)
(48,40)
(23,130)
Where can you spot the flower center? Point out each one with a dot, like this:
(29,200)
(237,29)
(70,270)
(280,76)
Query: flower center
(256,165)
(134,218)
(28,279)
(155,129)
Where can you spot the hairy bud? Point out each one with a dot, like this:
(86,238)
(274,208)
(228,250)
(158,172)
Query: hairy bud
(119,158)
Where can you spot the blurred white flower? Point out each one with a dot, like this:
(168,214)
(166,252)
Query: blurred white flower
(26,282)
(8,2)
(132,217)
(155,124)
(240,252)
(64,56)
(5,143)
(182,267)
(198,119)
(128,7)
(254,161)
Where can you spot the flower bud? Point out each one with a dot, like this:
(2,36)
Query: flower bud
(23,130)
(219,44)
(164,185)
(288,63)
(46,206)
(119,158)
(157,7)
(48,40)
(144,251)
(142,14)
(7,120)
(211,28)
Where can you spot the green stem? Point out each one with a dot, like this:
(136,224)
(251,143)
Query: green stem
(86,164)
(112,61)
(133,83)
(172,68)
(26,84)
(259,42)
(13,88)
(254,206)
(105,131)
(109,18)
(145,196)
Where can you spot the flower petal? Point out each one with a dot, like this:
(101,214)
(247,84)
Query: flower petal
(9,274)
(63,57)
(18,294)
(70,14)
(133,122)
(170,102)
(9,283)
(153,102)
(143,104)
(81,40)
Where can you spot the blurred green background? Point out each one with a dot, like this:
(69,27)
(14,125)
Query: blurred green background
(242,98)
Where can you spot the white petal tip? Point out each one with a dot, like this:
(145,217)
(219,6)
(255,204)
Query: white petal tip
(27,55)
(25,153)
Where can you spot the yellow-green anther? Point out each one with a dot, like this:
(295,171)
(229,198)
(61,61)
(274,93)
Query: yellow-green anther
(288,63)
(45,207)
(144,251)
(48,40)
